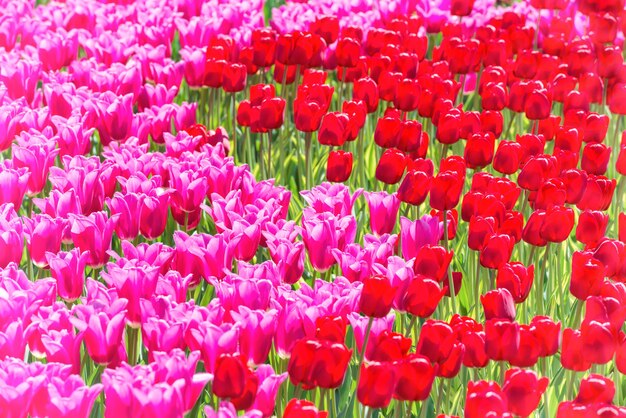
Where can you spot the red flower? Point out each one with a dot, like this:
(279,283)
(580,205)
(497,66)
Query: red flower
(422,297)
(333,129)
(558,224)
(596,389)
(445,190)
(591,227)
(485,399)
(388,346)
(548,334)
(573,357)
(391,166)
(432,262)
(517,279)
(414,188)
(366,90)
(415,378)
(595,159)
(230,376)
(300,408)
(272,113)
(234,77)
(376,296)
(479,150)
(502,339)
(507,157)
(496,251)
(498,304)
(387,131)
(523,390)
(348,51)
(330,328)
(339,166)
(377,384)
(587,275)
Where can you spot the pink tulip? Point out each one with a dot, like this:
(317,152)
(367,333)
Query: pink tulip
(295,321)
(18,388)
(288,256)
(8,122)
(13,184)
(132,283)
(190,189)
(43,234)
(237,292)
(211,341)
(256,331)
(322,233)
(68,269)
(160,335)
(73,137)
(354,261)
(157,255)
(133,392)
(103,330)
(68,397)
(117,120)
(331,197)
(175,366)
(153,214)
(37,159)
(269,383)
(85,176)
(21,79)
(63,347)
(383,211)
(359,324)
(93,233)
(415,234)
(128,207)
(11,238)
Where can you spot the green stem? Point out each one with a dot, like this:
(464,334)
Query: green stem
(307,159)
(446,246)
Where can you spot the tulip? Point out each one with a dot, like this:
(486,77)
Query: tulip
(523,390)
(68,269)
(229,377)
(485,399)
(414,187)
(445,190)
(496,251)
(415,378)
(13,185)
(422,297)
(376,384)
(93,233)
(339,166)
(498,304)
(573,357)
(383,211)
(502,339)
(299,408)
(517,279)
(391,166)
(376,297)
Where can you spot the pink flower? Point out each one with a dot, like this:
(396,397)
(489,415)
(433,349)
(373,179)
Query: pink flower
(256,332)
(93,233)
(269,383)
(103,330)
(211,341)
(383,211)
(13,184)
(322,233)
(359,325)
(37,158)
(43,234)
(68,269)
(133,283)
(427,230)
(128,207)
(68,397)
(11,239)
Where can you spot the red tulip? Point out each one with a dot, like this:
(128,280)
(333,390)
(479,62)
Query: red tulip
(485,399)
(229,377)
(596,389)
(348,51)
(587,275)
(376,296)
(558,224)
(595,159)
(573,357)
(376,384)
(445,190)
(414,187)
(498,304)
(300,408)
(391,166)
(591,227)
(547,333)
(366,90)
(507,157)
(339,166)
(496,251)
(502,339)
(422,297)
(387,131)
(479,150)
(415,378)
(517,279)
(523,391)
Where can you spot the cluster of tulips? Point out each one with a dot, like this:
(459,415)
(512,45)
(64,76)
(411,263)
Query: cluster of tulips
(315,209)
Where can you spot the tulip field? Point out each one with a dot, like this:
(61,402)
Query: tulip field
(312,209)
